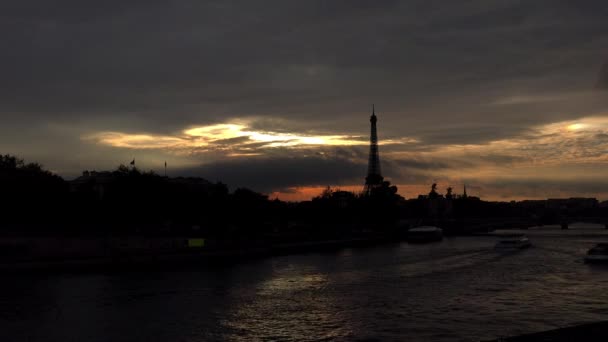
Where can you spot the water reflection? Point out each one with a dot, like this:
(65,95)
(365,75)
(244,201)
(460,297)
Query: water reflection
(459,289)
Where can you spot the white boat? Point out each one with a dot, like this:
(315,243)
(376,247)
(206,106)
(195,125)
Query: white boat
(513,242)
(599,253)
(425,234)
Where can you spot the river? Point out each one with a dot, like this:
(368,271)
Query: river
(456,290)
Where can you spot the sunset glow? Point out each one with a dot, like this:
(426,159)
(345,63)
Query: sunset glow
(558,150)
(304,170)
(219,136)
(576,126)
(221,101)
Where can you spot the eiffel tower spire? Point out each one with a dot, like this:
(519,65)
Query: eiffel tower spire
(374,174)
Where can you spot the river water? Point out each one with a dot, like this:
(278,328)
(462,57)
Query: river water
(456,290)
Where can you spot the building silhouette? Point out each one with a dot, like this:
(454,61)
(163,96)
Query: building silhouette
(374,177)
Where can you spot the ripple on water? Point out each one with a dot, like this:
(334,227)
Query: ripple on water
(460,289)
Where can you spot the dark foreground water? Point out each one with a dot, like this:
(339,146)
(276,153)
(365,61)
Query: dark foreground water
(459,289)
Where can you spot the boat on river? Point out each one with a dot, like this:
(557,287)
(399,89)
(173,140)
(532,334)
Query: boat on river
(425,234)
(513,242)
(597,254)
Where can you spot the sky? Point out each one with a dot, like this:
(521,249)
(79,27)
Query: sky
(508,97)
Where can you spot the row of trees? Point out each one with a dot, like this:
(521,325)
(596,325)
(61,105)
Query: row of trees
(130,201)
(28,193)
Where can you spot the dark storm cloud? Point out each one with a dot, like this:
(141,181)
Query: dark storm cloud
(165,61)
(467,134)
(603,78)
(500,159)
(271,174)
(172,62)
(418,164)
(440,72)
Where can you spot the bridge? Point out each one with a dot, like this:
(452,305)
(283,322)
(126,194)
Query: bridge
(567,221)
(481,225)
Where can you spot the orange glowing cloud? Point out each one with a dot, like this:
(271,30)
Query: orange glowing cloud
(226,136)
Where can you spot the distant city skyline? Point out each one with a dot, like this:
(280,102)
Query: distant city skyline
(510,98)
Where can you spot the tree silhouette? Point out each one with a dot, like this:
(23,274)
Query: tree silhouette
(433,193)
(30,193)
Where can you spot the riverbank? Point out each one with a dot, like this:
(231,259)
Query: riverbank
(591,332)
(93,255)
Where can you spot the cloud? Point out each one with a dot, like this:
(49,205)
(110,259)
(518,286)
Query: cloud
(144,59)
(272,174)
(602,82)
(538,188)
(236,138)
(463,88)
(420,164)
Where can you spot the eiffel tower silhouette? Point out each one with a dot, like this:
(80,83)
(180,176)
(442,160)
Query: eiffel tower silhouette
(374,174)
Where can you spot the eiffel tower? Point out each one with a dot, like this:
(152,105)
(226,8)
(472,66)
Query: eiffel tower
(374,175)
